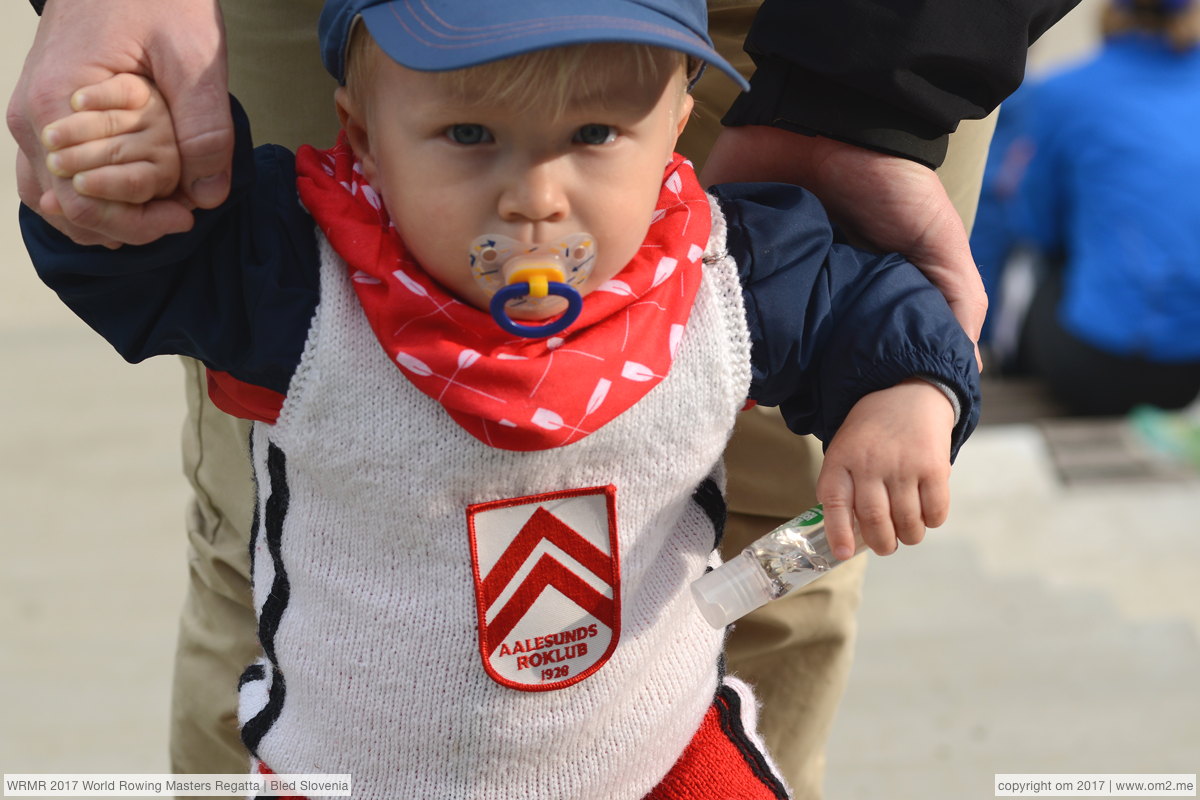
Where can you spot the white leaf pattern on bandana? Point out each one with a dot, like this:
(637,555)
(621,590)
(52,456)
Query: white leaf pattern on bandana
(666,268)
(362,277)
(634,371)
(371,196)
(466,358)
(413,364)
(695,253)
(410,284)
(547,419)
(598,395)
(676,338)
(674,183)
(616,287)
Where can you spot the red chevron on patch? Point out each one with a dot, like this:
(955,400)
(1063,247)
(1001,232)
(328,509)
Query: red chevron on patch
(547,586)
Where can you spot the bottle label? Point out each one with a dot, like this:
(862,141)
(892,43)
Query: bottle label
(814,516)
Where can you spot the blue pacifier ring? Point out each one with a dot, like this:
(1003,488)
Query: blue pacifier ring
(517,290)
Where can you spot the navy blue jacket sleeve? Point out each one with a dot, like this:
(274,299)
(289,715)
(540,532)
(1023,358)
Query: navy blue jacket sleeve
(891,76)
(237,292)
(830,323)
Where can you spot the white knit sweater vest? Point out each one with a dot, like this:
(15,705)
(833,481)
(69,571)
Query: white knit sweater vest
(373,530)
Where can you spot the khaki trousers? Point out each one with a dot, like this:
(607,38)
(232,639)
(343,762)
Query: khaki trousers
(796,651)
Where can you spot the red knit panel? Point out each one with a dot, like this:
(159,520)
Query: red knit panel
(711,767)
(243,400)
(263,769)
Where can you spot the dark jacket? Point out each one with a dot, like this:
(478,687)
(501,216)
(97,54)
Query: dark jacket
(892,75)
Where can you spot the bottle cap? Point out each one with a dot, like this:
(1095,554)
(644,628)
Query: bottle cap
(732,590)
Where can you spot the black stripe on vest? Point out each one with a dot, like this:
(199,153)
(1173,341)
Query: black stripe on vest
(252,673)
(729,712)
(275,514)
(708,496)
(278,497)
(256,520)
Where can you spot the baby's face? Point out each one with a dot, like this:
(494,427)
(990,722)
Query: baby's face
(451,169)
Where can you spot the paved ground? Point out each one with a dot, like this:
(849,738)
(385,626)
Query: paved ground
(1046,628)
(1043,629)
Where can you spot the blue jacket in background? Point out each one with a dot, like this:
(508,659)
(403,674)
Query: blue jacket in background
(1114,189)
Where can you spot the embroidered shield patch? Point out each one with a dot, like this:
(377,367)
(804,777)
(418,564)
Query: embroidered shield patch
(547,586)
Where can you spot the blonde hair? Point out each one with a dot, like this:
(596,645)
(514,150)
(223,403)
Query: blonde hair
(1180,30)
(546,80)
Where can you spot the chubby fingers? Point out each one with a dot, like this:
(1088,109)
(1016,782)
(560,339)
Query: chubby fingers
(872,512)
(835,491)
(883,515)
(118,145)
(124,90)
(90,221)
(106,109)
(134,184)
(70,137)
(120,168)
(935,501)
(114,169)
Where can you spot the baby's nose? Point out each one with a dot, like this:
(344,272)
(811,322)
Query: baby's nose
(534,194)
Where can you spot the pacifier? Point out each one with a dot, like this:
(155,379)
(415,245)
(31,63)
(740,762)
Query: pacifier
(524,276)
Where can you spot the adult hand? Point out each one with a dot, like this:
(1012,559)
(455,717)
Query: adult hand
(180,45)
(885,202)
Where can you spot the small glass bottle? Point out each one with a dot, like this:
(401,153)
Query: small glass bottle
(793,555)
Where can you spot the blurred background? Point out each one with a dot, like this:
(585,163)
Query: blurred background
(1051,626)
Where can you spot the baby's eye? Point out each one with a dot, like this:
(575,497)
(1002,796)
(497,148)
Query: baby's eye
(468,133)
(595,133)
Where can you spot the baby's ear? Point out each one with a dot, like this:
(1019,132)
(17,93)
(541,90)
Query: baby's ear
(354,122)
(685,113)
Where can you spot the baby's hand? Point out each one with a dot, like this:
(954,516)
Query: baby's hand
(119,145)
(887,469)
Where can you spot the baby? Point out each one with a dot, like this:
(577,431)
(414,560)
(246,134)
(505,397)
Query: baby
(495,340)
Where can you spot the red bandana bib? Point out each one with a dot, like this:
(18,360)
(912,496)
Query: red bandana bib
(512,393)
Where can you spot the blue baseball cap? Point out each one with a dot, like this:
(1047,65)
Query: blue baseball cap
(437,35)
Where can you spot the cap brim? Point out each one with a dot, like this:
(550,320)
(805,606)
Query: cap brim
(412,35)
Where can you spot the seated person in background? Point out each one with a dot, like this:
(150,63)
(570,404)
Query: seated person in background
(493,350)
(1109,202)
